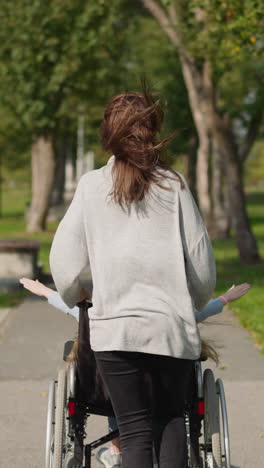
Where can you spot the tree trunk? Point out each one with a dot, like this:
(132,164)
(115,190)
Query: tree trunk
(221,131)
(191,162)
(244,237)
(202,178)
(220,214)
(43,165)
(193,81)
(202,98)
(59,178)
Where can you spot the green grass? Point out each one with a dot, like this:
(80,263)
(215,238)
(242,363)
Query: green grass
(14,200)
(13,223)
(249,308)
(15,228)
(11,300)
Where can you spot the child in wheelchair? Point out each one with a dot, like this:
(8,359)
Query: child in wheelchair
(112,457)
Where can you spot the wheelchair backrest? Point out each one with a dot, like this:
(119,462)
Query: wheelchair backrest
(91,389)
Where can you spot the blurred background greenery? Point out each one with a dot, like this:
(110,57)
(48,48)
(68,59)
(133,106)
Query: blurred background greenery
(61,61)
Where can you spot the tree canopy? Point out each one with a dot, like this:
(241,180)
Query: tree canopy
(52,54)
(59,56)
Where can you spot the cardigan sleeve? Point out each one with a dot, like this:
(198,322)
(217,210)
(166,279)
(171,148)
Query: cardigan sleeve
(69,252)
(198,251)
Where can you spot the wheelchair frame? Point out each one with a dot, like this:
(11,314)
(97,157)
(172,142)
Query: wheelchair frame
(67,415)
(67,421)
(211,411)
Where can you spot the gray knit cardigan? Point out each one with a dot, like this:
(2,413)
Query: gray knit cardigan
(152,264)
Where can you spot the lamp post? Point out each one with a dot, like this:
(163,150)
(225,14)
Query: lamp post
(89,159)
(80,144)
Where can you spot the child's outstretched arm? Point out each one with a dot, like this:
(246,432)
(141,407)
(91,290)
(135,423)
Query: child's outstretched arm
(215,306)
(53,297)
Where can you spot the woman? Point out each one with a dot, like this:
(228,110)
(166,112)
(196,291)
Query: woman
(135,222)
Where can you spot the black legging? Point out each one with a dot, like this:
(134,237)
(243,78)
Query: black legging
(142,416)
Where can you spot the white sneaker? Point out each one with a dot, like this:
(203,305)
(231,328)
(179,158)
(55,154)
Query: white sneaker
(108,459)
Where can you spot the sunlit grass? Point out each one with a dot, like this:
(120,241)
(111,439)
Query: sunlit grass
(13,222)
(11,300)
(15,228)
(15,200)
(249,308)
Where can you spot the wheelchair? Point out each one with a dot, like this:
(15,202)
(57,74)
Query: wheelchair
(72,398)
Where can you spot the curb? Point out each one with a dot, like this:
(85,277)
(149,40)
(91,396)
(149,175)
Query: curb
(4,314)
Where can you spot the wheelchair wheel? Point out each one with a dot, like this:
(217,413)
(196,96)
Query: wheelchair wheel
(224,423)
(59,419)
(212,436)
(70,440)
(71,380)
(50,426)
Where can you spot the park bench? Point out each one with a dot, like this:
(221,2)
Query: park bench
(18,258)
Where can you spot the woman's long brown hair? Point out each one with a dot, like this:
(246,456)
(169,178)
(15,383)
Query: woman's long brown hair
(129,130)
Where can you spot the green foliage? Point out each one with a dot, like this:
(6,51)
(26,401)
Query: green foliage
(165,3)
(230,35)
(241,94)
(221,29)
(150,53)
(14,143)
(53,54)
(254,170)
(58,55)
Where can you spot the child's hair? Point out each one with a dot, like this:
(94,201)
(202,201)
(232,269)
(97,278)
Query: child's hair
(72,356)
(207,351)
(91,387)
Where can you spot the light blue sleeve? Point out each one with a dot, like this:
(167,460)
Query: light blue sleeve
(215,306)
(56,301)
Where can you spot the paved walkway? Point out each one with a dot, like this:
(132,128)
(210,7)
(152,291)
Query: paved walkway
(242,370)
(31,353)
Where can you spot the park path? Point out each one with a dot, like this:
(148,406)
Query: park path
(31,347)
(242,370)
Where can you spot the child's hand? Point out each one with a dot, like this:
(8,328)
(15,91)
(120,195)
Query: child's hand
(36,287)
(236,292)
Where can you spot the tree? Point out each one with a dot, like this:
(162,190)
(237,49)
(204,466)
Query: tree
(53,55)
(206,35)
(14,148)
(150,51)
